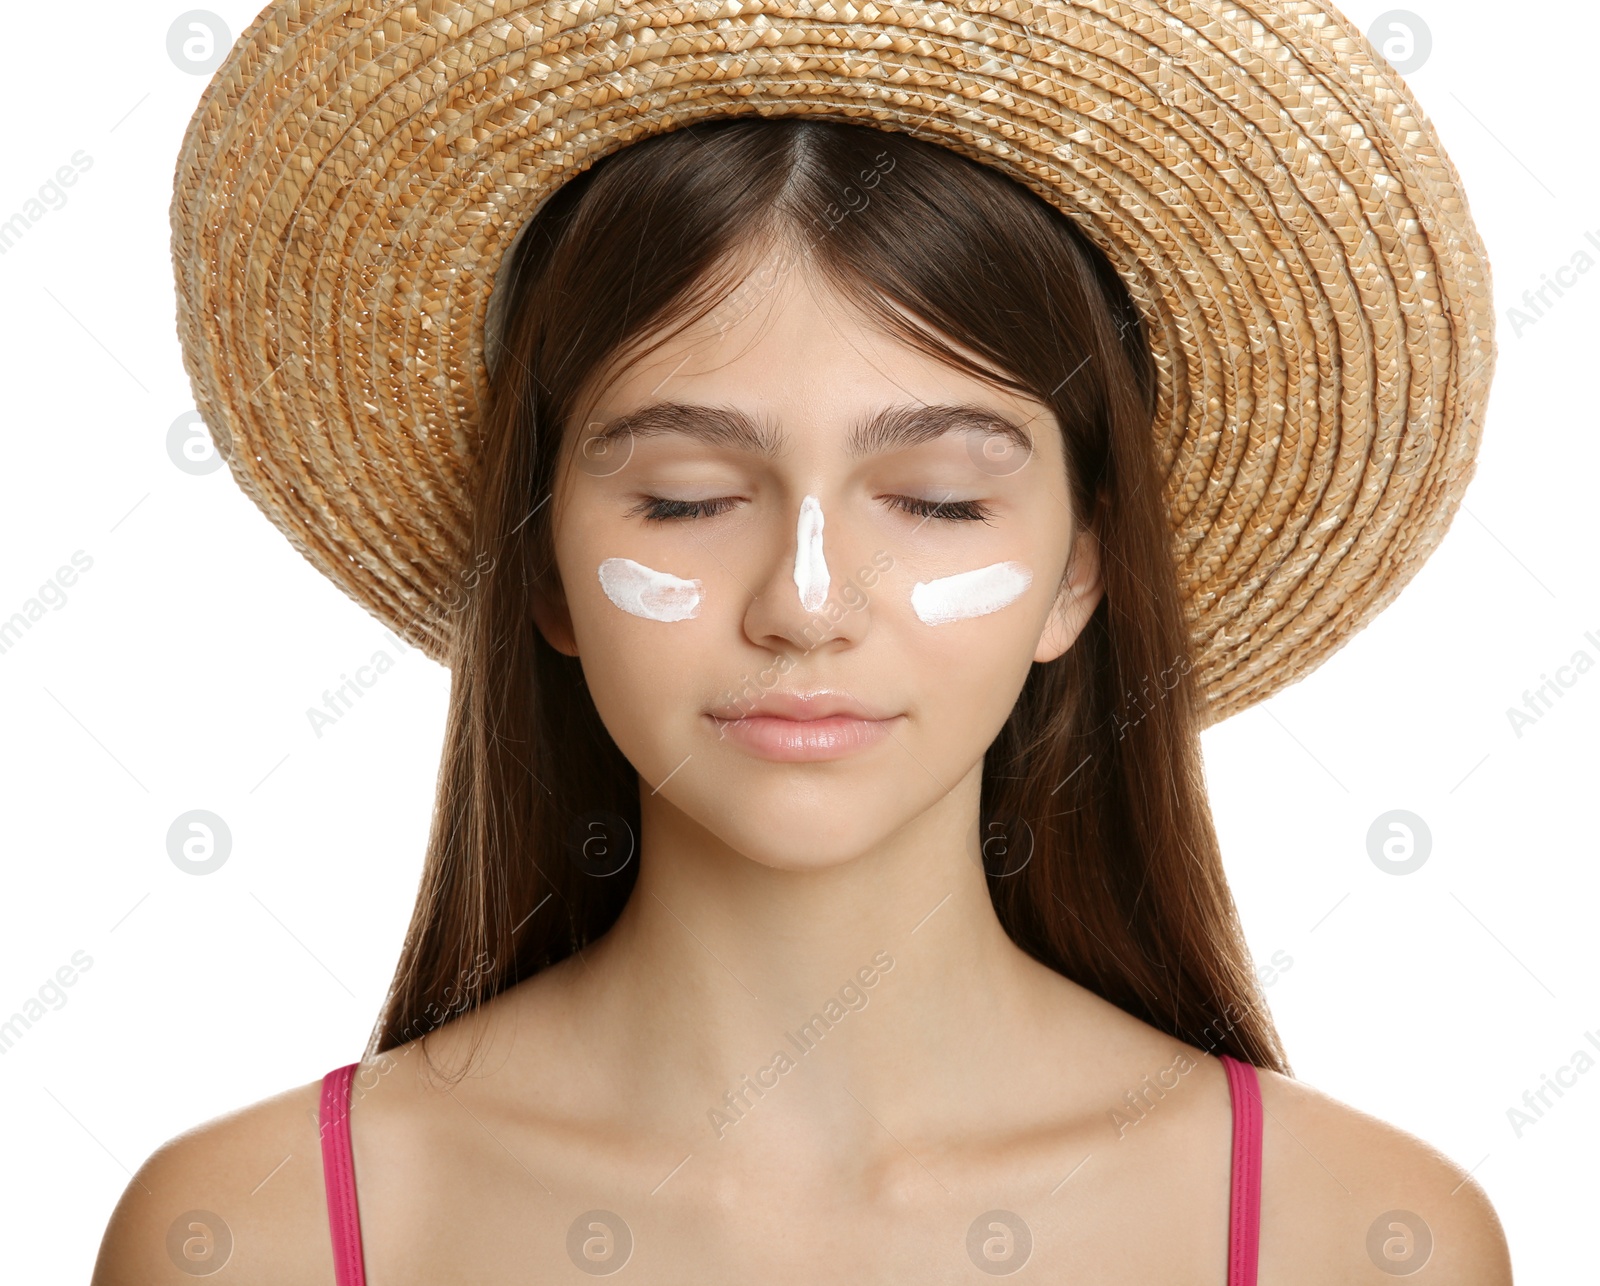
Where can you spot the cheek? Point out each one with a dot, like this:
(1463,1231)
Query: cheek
(646,592)
(970,594)
(971,676)
(636,639)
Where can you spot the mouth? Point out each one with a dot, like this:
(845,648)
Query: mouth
(802,707)
(791,740)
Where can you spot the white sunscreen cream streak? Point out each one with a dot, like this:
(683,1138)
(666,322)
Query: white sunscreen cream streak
(643,591)
(974,593)
(810,571)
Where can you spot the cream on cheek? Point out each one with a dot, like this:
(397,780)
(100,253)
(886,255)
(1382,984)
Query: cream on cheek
(643,591)
(968,594)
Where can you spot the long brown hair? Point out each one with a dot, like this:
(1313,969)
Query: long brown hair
(1110,871)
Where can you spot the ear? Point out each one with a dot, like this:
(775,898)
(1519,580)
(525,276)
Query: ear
(551,615)
(1080,595)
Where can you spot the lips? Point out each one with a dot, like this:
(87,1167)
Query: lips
(799,740)
(800,707)
(791,727)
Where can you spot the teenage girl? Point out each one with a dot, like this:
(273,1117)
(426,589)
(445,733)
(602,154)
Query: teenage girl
(823,887)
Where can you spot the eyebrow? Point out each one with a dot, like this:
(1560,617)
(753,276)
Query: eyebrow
(894,428)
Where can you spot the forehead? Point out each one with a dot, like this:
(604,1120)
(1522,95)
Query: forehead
(784,360)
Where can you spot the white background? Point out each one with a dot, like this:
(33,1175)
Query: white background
(178,672)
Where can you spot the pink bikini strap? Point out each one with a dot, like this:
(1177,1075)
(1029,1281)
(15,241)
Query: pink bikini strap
(339,1177)
(1244,1220)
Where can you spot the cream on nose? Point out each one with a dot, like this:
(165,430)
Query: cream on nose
(810,568)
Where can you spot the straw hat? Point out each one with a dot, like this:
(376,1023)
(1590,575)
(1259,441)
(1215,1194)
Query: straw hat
(1282,211)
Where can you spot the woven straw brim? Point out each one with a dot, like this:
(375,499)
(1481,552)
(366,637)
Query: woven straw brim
(1282,212)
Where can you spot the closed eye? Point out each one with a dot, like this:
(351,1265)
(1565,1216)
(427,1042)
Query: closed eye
(948,510)
(657,509)
(660,509)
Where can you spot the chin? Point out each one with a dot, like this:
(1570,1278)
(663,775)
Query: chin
(802,858)
(804,833)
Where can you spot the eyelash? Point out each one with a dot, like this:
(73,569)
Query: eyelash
(658,509)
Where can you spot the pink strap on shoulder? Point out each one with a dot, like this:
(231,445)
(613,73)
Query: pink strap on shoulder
(1244,1220)
(339,1177)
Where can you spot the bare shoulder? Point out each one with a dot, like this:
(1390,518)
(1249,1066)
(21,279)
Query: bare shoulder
(242,1191)
(1346,1197)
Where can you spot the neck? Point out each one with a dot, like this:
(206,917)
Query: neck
(738,1000)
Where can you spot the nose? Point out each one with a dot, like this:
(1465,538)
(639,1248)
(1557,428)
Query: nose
(796,602)
(810,562)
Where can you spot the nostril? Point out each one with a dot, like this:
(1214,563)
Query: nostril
(810,568)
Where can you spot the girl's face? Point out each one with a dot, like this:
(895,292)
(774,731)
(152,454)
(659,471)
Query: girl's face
(803,505)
